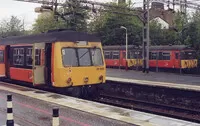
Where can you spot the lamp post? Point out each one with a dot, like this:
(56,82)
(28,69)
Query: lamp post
(126,41)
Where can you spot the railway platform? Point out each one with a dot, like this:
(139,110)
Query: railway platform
(33,107)
(156,79)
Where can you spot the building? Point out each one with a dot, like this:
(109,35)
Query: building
(161,22)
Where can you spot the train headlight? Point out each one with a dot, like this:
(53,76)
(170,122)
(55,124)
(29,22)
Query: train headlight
(69,80)
(86,79)
(101,78)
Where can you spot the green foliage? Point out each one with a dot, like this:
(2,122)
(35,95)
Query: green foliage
(75,19)
(107,24)
(11,27)
(46,21)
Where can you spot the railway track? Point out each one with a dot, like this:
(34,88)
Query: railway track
(156,108)
(131,102)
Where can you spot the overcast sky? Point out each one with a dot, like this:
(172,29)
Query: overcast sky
(25,10)
(22,10)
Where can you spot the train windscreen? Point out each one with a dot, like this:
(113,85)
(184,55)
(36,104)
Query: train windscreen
(82,57)
(188,55)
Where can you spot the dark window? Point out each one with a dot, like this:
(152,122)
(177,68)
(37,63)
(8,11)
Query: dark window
(166,56)
(115,55)
(1,56)
(188,55)
(29,56)
(153,55)
(84,57)
(177,55)
(18,56)
(97,59)
(124,55)
(69,57)
(160,57)
(107,55)
(37,56)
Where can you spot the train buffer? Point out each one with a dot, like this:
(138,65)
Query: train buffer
(34,107)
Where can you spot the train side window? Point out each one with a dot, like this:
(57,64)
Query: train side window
(115,55)
(18,56)
(37,56)
(166,56)
(1,56)
(107,55)
(29,56)
(153,55)
(160,56)
(177,55)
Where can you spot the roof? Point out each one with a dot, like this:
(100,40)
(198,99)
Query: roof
(170,47)
(50,37)
(118,47)
(162,47)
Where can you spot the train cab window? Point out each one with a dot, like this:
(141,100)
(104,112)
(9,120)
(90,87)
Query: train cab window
(29,56)
(115,55)
(69,57)
(1,56)
(18,56)
(165,56)
(107,55)
(84,57)
(37,56)
(97,59)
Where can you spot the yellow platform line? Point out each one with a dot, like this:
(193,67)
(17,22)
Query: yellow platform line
(79,104)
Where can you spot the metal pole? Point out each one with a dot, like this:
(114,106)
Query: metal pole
(144,38)
(148,39)
(126,44)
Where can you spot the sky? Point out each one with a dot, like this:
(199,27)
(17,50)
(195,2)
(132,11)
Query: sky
(25,11)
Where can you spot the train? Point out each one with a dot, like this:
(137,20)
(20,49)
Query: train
(60,59)
(166,57)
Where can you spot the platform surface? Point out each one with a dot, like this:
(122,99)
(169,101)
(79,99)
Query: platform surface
(34,108)
(165,79)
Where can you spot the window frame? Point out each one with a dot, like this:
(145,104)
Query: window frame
(77,56)
(115,55)
(3,58)
(101,56)
(16,53)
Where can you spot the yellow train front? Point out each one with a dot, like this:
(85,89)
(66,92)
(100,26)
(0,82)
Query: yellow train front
(67,60)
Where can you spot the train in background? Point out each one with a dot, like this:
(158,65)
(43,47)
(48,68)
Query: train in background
(168,57)
(67,60)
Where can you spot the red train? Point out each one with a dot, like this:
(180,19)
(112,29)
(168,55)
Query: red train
(170,57)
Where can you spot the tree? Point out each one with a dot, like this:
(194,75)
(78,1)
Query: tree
(11,27)
(46,21)
(75,18)
(107,25)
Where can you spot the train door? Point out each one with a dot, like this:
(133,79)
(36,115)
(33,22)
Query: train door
(122,58)
(38,64)
(2,61)
(8,56)
(176,59)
